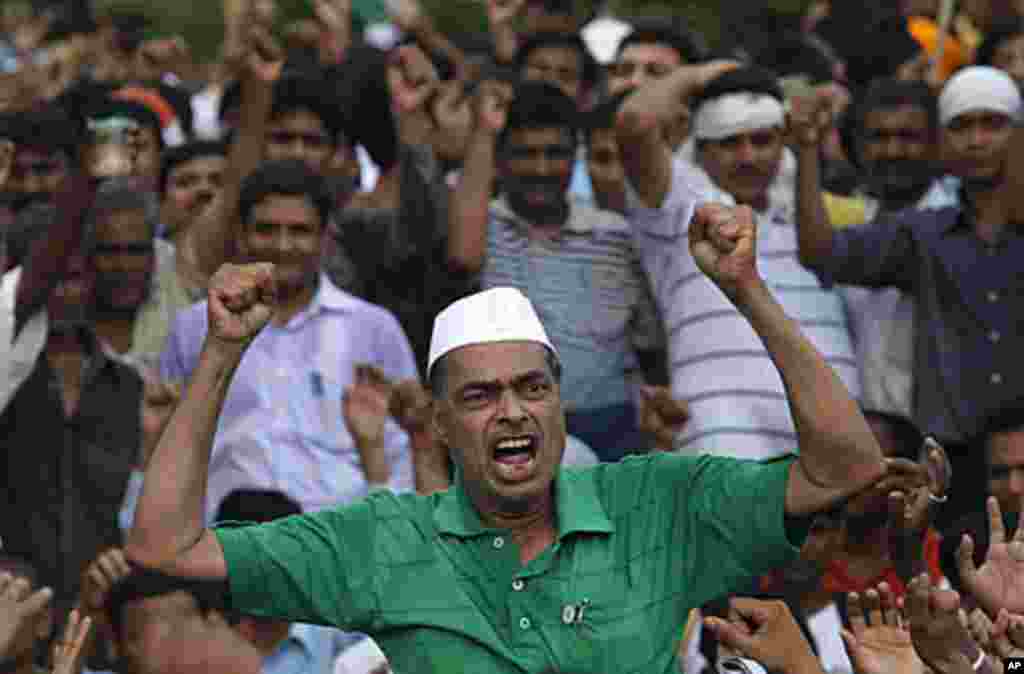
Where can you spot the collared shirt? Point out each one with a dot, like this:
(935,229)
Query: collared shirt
(882,324)
(720,366)
(638,544)
(157,314)
(590,291)
(968,321)
(282,425)
(308,649)
(64,479)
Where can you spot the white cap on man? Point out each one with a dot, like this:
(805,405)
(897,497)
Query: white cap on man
(495,315)
(979,89)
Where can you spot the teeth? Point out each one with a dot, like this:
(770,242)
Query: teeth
(514,444)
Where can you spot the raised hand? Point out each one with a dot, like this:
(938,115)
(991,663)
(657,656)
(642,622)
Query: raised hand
(241,301)
(412,79)
(260,57)
(810,118)
(411,406)
(98,579)
(406,14)
(504,12)
(333,15)
(365,407)
(939,637)
(662,416)
(879,642)
(491,106)
(723,242)
(453,113)
(20,609)
(775,640)
(999,583)
(911,509)
(67,651)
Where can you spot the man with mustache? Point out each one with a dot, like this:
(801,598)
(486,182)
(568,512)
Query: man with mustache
(576,263)
(893,138)
(46,145)
(960,264)
(718,364)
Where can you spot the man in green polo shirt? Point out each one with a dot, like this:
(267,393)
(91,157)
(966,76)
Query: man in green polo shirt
(521,566)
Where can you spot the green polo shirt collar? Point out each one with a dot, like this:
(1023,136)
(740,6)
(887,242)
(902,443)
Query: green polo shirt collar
(579,508)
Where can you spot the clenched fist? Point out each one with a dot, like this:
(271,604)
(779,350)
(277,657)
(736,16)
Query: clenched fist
(723,242)
(241,301)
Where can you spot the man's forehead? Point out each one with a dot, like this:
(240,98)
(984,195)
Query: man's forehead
(206,163)
(892,114)
(540,137)
(650,52)
(496,361)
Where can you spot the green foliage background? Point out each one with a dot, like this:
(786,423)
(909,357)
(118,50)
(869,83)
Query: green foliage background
(201,21)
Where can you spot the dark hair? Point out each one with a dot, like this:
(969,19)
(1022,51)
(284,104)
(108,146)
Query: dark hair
(750,79)
(649,32)
(793,54)
(540,105)
(256,505)
(883,94)
(589,74)
(142,583)
(363,85)
(1002,31)
(1006,419)
(31,223)
(438,380)
(176,156)
(908,437)
(48,126)
(603,116)
(308,92)
(19,567)
(289,177)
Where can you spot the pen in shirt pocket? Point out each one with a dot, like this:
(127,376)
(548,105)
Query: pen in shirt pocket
(319,393)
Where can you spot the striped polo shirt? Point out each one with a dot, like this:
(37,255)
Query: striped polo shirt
(590,292)
(718,363)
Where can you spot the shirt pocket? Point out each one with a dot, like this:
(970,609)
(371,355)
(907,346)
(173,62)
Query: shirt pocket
(611,293)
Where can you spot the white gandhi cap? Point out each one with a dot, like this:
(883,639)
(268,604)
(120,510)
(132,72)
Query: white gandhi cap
(495,315)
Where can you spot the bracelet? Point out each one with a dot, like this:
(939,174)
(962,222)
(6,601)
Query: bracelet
(938,499)
(980,661)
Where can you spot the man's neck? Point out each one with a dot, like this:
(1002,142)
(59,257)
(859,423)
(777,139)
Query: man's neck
(291,304)
(116,330)
(533,530)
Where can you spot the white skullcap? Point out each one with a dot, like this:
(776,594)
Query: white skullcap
(737,113)
(603,36)
(979,88)
(495,315)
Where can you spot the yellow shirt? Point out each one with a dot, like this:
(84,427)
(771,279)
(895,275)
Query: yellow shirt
(845,212)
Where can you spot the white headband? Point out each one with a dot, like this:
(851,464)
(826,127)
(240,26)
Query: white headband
(736,114)
(979,88)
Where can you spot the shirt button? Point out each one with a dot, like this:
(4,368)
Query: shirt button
(518,585)
(524,623)
(994,336)
(499,543)
(996,378)
(993,296)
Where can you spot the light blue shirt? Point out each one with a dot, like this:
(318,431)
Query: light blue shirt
(309,649)
(581,189)
(282,426)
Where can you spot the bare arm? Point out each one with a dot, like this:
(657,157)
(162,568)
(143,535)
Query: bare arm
(501,16)
(810,120)
(216,232)
(646,153)
(168,532)
(470,207)
(839,455)
(46,260)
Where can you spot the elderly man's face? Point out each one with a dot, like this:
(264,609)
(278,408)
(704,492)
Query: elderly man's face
(1006,469)
(744,165)
(503,420)
(976,146)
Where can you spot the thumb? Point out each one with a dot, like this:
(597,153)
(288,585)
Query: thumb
(37,601)
(965,559)
(851,643)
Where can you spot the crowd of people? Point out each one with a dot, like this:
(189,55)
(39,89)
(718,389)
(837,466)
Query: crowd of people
(719,340)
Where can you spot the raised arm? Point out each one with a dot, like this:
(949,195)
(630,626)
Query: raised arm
(501,19)
(168,532)
(259,68)
(46,260)
(646,153)
(469,214)
(809,120)
(839,455)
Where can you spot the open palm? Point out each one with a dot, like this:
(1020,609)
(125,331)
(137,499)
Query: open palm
(880,640)
(999,582)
